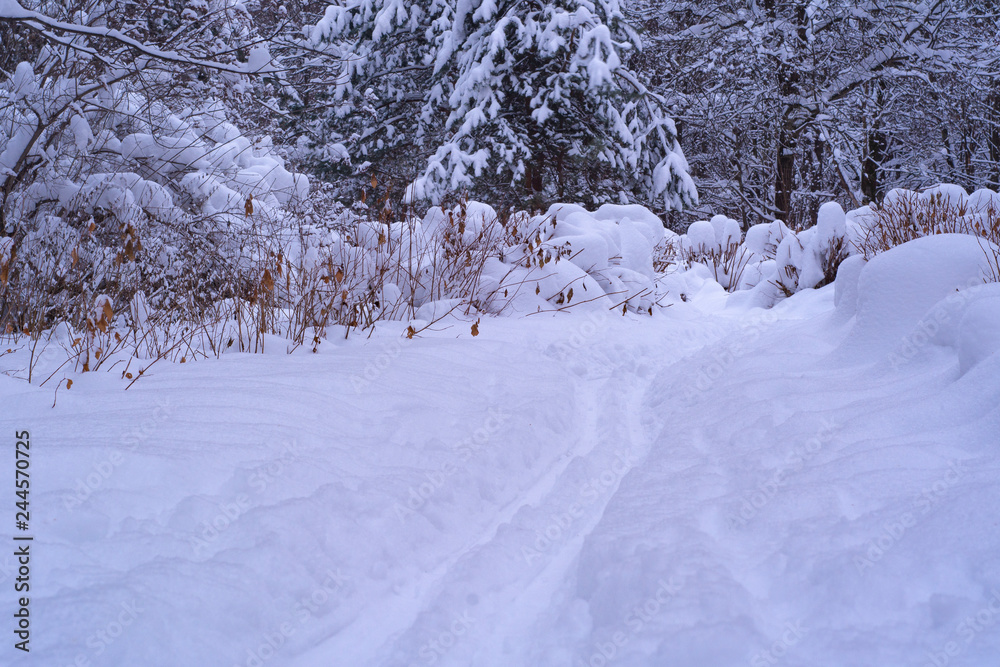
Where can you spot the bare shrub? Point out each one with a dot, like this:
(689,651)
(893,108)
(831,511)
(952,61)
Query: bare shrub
(909,216)
(727,262)
(666,254)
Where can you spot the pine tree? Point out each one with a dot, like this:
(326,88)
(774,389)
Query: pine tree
(522,99)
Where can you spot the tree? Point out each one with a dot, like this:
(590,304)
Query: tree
(118,157)
(528,98)
(786,104)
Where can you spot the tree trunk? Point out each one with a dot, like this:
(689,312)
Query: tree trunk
(789,139)
(785,177)
(876,153)
(533,183)
(994,136)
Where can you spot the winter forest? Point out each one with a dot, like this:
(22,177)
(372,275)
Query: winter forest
(500,332)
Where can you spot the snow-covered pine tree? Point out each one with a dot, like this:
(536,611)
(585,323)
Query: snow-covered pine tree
(502,98)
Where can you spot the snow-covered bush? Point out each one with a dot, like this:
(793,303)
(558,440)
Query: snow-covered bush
(467,259)
(905,215)
(608,258)
(810,258)
(717,244)
(771,260)
(119,168)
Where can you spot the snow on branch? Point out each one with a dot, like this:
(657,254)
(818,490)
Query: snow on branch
(259,62)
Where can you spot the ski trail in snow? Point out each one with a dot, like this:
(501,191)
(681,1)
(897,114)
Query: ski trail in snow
(538,536)
(392,618)
(519,615)
(495,585)
(547,535)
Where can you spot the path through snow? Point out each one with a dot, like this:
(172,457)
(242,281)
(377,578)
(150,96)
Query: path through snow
(704,487)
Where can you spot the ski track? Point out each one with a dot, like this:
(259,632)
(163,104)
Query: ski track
(617,479)
(500,606)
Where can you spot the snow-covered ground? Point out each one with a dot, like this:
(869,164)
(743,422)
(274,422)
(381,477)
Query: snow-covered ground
(815,484)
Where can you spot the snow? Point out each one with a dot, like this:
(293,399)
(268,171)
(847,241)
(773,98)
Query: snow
(900,290)
(712,485)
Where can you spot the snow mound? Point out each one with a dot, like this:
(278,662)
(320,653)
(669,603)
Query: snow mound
(900,292)
(572,257)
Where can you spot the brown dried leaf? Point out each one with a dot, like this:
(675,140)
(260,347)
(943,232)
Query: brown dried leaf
(339,276)
(106,312)
(410,332)
(569,295)
(475,328)
(267,281)
(75,255)
(69,383)
(248,207)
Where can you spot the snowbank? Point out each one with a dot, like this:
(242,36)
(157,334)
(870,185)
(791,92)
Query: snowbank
(905,293)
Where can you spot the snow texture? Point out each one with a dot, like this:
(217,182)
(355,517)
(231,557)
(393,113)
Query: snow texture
(709,486)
